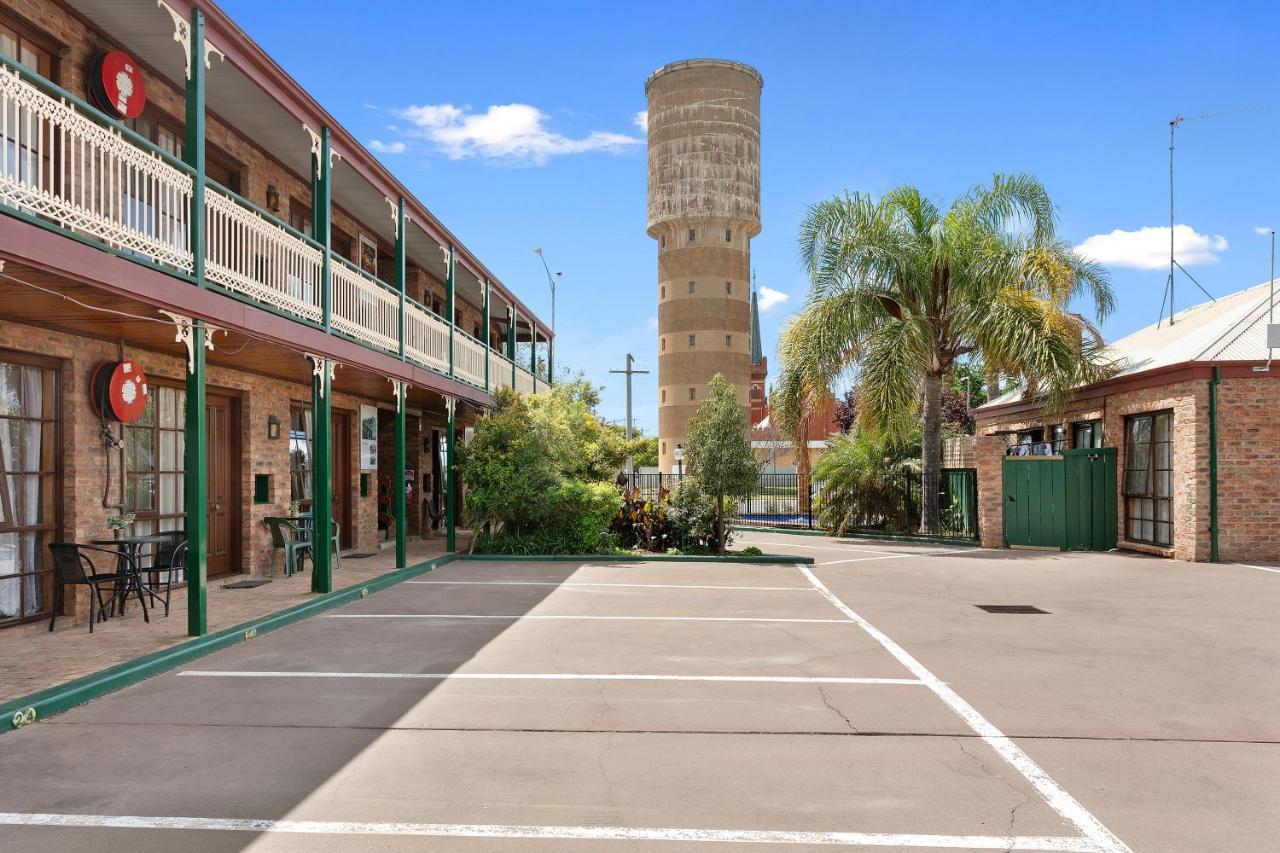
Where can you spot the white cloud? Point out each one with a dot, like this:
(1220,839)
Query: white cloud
(1261,230)
(386,147)
(770,298)
(1148,247)
(653,323)
(504,131)
(641,120)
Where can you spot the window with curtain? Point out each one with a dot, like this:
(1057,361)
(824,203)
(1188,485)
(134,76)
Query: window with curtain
(154,487)
(300,460)
(1086,434)
(28,488)
(1148,478)
(24,148)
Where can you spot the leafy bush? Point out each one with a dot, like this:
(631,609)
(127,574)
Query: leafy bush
(642,523)
(751,551)
(576,522)
(865,484)
(691,513)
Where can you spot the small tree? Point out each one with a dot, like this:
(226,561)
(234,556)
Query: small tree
(718,453)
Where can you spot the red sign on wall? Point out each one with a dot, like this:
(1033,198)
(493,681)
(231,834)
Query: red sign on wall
(122,86)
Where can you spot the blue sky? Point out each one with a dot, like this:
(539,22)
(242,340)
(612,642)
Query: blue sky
(857,96)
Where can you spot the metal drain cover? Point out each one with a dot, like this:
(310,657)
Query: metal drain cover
(1010,608)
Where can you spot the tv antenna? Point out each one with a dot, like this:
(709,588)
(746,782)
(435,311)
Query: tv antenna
(1174,124)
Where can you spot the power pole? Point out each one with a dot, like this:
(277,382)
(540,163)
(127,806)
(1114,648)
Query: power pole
(631,460)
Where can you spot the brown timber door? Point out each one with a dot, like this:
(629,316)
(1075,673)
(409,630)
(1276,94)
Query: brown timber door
(341,468)
(222,498)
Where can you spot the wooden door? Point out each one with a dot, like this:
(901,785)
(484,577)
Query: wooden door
(340,465)
(222,498)
(1034,502)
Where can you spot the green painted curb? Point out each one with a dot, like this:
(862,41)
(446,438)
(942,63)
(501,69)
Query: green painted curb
(54,700)
(640,558)
(887,537)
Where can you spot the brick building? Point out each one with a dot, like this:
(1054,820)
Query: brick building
(174,204)
(1192,415)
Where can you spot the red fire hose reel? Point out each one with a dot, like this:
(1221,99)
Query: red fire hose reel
(119,391)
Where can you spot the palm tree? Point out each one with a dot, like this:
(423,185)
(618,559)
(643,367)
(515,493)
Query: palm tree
(900,290)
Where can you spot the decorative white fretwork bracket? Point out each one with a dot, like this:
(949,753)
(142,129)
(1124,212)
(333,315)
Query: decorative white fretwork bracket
(182,35)
(184,335)
(398,387)
(450,406)
(395,216)
(318,363)
(316,146)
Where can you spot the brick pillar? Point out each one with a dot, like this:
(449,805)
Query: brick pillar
(989,450)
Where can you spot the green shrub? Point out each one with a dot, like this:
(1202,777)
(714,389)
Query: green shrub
(576,522)
(750,551)
(691,516)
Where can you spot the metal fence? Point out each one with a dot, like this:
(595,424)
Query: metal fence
(890,505)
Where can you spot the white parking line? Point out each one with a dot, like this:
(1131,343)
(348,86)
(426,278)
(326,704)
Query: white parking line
(1053,794)
(529,616)
(1259,568)
(575,833)
(552,676)
(591,584)
(833,547)
(900,556)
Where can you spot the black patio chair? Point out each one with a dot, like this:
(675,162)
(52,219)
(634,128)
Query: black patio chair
(434,512)
(73,564)
(170,559)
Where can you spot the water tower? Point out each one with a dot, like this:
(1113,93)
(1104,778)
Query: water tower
(704,208)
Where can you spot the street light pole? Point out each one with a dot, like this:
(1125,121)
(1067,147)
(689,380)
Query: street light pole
(631,459)
(551,280)
(679,454)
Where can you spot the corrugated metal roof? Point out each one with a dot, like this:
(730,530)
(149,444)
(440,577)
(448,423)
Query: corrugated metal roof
(1234,328)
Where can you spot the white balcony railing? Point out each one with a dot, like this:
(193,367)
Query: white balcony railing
(524,382)
(426,337)
(499,370)
(250,254)
(60,165)
(468,358)
(62,162)
(362,308)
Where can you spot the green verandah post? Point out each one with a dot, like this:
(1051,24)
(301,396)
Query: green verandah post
(512,317)
(450,510)
(322,475)
(400,271)
(450,290)
(321,376)
(399,502)
(196,420)
(485,332)
(397,477)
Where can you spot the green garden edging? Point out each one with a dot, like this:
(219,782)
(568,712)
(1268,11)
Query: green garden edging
(54,700)
(887,537)
(641,558)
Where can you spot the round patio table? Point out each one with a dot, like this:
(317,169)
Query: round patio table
(132,546)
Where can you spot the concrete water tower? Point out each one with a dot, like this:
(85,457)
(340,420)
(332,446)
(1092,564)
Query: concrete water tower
(704,208)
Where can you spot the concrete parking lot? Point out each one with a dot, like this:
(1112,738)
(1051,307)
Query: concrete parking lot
(864,701)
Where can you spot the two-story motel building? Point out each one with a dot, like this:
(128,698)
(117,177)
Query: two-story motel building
(173,204)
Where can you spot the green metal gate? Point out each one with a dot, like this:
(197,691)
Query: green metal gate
(1035,502)
(1091,498)
(959,494)
(1066,502)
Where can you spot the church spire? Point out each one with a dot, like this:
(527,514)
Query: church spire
(757,348)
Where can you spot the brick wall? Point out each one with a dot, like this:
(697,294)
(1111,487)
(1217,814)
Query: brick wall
(1249,470)
(83,456)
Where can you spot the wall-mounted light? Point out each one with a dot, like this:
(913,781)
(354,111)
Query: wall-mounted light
(273,198)
(273,427)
